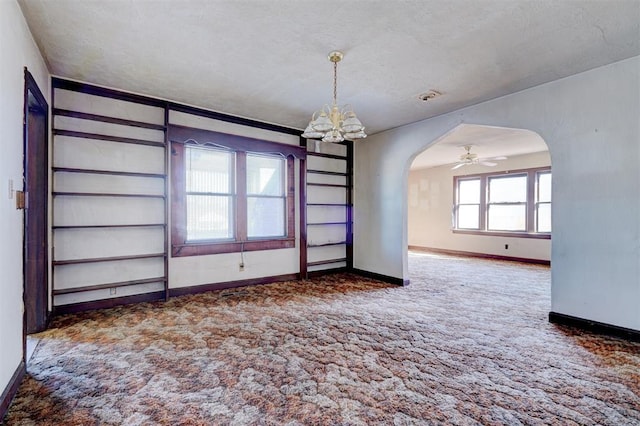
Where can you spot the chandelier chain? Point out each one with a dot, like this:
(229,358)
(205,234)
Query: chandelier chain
(335,83)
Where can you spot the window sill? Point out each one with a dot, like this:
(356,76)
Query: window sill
(201,249)
(538,236)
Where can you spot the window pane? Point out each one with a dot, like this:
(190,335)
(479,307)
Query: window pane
(265,175)
(209,217)
(265,217)
(508,189)
(469,191)
(208,170)
(543,217)
(507,218)
(544,187)
(469,217)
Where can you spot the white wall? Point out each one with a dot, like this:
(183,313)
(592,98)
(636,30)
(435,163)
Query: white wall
(590,121)
(430,200)
(18,50)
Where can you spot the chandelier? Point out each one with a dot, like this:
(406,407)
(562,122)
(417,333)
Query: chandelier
(335,123)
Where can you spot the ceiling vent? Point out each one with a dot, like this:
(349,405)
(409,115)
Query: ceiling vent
(427,96)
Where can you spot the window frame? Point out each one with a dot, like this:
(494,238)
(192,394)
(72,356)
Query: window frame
(531,204)
(179,136)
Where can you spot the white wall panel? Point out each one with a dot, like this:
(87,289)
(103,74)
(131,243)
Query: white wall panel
(326,164)
(328,195)
(198,122)
(74,211)
(104,155)
(325,234)
(91,104)
(108,129)
(88,296)
(83,182)
(86,274)
(81,243)
(322,214)
(327,253)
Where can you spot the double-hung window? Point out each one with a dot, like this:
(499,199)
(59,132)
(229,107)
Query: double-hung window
(509,203)
(230,193)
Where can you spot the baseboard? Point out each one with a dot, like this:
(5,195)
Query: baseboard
(181,291)
(380,277)
(594,326)
(480,255)
(107,303)
(11,389)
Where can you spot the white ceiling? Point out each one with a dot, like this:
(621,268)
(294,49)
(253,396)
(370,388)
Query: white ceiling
(485,141)
(266,60)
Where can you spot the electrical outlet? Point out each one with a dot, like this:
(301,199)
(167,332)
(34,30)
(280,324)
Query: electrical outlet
(112,291)
(241,267)
(506,246)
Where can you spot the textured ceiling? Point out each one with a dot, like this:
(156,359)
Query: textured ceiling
(266,60)
(485,141)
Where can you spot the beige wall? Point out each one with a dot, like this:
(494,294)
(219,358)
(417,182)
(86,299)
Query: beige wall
(430,201)
(18,50)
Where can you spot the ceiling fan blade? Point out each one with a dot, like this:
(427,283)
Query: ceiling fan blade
(457,166)
(502,157)
(488,163)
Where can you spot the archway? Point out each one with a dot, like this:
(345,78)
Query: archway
(483,191)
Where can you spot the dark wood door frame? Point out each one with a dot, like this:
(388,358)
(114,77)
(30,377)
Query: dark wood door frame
(36,187)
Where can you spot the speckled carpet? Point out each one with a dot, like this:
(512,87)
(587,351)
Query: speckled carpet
(468,342)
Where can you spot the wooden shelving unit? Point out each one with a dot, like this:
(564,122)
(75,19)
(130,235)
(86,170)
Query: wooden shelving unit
(80,176)
(324,252)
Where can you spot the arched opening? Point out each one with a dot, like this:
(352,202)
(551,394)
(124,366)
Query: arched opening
(480,192)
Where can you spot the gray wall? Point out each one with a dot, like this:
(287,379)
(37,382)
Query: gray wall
(590,121)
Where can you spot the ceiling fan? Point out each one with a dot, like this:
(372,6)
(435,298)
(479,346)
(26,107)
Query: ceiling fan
(468,158)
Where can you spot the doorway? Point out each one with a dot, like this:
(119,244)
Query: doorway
(36,188)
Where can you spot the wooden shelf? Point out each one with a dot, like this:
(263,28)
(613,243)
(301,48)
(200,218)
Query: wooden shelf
(326,172)
(107,172)
(106,285)
(329,185)
(107,119)
(102,194)
(106,259)
(85,135)
(135,225)
(321,154)
(327,262)
(327,205)
(326,223)
(337,243)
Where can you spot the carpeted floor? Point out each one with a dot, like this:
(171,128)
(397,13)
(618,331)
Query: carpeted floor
(468,342)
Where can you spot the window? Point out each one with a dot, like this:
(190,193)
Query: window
(468,216)
(543,201)
(513,203)
(507,203)
(236,194)
(210,193)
